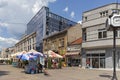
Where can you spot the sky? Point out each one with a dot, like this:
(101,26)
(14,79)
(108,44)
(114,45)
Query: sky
(15,14)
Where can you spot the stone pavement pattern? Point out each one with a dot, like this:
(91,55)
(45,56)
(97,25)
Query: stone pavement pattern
(8,72)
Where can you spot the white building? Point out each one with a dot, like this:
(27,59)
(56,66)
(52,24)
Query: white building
(6,53)
(97,41)
(26,43)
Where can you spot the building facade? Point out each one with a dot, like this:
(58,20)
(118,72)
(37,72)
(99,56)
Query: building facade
(6,53)
(46,23)
(61,43)
(73,54)
(97,41)
(26,43)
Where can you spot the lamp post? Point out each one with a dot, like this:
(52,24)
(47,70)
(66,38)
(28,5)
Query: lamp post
(114,55)
(113,24)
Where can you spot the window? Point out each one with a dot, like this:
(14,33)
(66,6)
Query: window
(85,18)
(104,13)
(84,35)
(61,42)
(102,34)
(119,33)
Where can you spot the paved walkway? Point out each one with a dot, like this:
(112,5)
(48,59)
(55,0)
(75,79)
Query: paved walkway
(8,72)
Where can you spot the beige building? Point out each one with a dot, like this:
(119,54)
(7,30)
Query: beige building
(3,53)
(73,54)
(7,52)
(97,41)
(26,43)
(59,42)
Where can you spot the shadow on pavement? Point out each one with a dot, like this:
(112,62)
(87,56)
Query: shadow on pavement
(106,76)
(2,64)
(2,73)
(22,71)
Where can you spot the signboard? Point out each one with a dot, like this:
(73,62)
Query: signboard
(74,48)
(113,22)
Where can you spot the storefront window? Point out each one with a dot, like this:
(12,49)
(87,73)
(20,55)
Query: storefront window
(96,60)
(102,62)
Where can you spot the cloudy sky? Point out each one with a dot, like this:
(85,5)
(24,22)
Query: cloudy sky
(15,14)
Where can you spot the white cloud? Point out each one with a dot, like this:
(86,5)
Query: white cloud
(66,9)
(39,3)
(3,24)
(15,14)
(3,3)
(79,22)
(7,42)
(72,14)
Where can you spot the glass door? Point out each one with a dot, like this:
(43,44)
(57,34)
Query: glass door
(95,62)
(102,62)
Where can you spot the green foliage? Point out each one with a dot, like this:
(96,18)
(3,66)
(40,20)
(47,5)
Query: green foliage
(60,64)
(10,61)
(49,64)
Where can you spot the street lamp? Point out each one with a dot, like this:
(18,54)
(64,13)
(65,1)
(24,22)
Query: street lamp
(113,24)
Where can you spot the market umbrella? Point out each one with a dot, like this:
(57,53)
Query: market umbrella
(15,54)
(28,57)
(53,54)
(19,55)
(35,53)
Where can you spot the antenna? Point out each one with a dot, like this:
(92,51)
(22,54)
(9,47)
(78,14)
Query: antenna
(116,4)
(117,10)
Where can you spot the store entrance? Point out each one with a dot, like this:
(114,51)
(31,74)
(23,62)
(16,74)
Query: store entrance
(95,60)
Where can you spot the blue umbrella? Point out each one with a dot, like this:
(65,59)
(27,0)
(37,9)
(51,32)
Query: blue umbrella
(20,54)
(27,57)
(36,54)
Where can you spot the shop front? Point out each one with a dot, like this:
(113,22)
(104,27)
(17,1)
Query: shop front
(95,59)
(100,58)
(73,59)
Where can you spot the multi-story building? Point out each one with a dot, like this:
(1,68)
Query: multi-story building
(6,53)
(0,54)
(26,43)
(61,43)
(3,53)
(73,54)
(45,23)
(97,41)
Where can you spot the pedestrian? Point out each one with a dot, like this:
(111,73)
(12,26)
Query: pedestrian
(87,63)
(40,68)
(44,68)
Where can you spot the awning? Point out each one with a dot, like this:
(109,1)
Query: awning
(4,58)
(72,53)
(95,51)
(52,54)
